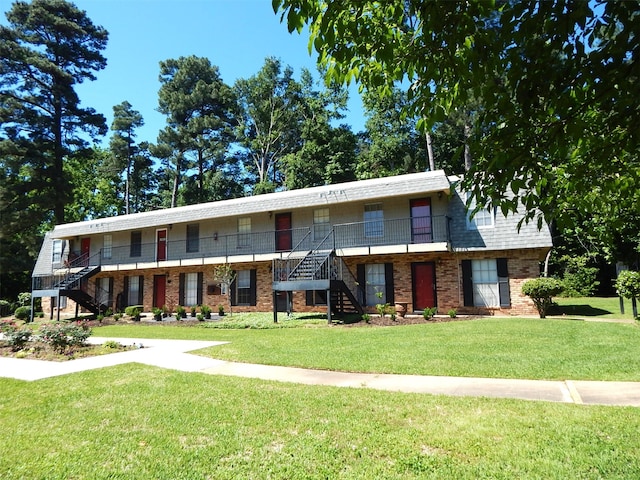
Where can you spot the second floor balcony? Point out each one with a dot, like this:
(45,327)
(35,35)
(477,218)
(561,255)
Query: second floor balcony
(416,234)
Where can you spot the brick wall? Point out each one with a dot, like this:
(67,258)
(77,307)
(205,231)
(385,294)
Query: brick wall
(522,265)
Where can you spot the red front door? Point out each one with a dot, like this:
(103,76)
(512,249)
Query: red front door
(159,290)
(85,250)
(424,285)
(161,245)
(283,231)
(421,220)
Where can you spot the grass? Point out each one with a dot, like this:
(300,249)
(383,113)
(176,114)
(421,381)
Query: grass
(140,422)
(605,308)
(491,347)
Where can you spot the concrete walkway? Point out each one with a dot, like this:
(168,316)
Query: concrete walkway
(172,354)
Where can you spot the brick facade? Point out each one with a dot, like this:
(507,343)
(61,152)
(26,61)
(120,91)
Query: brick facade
(522,265)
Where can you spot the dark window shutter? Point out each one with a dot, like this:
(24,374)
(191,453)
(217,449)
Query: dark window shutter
(232,290)
(309,297)
(388,283)
(125,293)
(200,287)
(181,290)
(141,291)
(253,288)
(362,282)
(467,283)
(111,292)
(503,282)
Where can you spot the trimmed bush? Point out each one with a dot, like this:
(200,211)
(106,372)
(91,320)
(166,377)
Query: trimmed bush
(5,308)
(22,313)
(542,290)
(578,280)
(18,338)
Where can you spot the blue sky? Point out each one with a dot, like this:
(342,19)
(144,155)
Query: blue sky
(236,35)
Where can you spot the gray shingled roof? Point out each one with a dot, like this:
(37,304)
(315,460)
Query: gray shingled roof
(273,202)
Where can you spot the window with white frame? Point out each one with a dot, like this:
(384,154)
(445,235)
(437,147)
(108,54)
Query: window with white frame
(133,295)
(483,218)
(57,251)
(107,246)
(243,287)
(373,220)
(191,289)
(375,283)
(244,232)
(486,292)
(321,223)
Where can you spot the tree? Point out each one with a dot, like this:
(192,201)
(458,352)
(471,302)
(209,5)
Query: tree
(48,47)
(557,81)
(122,145)
(628,286)
(542,290)
(269,120)
(328,153)
(200,110)
(392,145)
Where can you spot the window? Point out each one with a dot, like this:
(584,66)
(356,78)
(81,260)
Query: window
(486,283)
(63,302)
(191,289)
(321,225)
(243,288)
(373,220)
(104,289)
(57,251)
(316,297)
(193,238)
(134,293)
(375,290)
(136,244)
(107,246)
(482,219)
(244,232)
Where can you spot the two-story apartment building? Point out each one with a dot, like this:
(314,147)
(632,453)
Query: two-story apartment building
(343,247)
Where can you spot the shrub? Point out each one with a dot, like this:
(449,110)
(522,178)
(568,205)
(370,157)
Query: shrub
(628,284)
(428,313)
(578,279)
(24,299)
(453,313)
(133,311)
(5,308)
(111,344)
(366,317)
(18,338)
(23,313)
(206,311)
(541,291)
(221,310)
(63,335)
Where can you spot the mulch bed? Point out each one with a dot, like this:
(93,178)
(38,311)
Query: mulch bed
(41,351)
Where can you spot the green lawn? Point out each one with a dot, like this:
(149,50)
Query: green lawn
(605,308)
(491,347)
(140,422)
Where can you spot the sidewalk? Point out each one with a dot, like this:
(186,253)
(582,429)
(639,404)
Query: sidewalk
(172,354)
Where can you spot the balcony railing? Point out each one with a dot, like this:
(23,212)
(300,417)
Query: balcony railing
(374,233)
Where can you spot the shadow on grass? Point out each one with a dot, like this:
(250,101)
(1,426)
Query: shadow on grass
(581,310)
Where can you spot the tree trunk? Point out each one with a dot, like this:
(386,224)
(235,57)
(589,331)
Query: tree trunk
(432,163)
(467,151)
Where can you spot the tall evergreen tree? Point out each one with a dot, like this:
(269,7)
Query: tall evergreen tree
(49,47)
(200,117)
(123,146)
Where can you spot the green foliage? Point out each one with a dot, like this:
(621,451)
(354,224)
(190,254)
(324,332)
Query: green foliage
(64,335)
(511,69)
(133,311)
(205,310)
(429,312)
(17,338)
(628,284)
(542,290)
(366,317)
(24,299)
(5,307)
(112,344)
(22,313)
(453,313)
(578,279)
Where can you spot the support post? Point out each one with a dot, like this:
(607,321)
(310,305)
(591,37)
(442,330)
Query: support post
(275,306)
(329,306)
